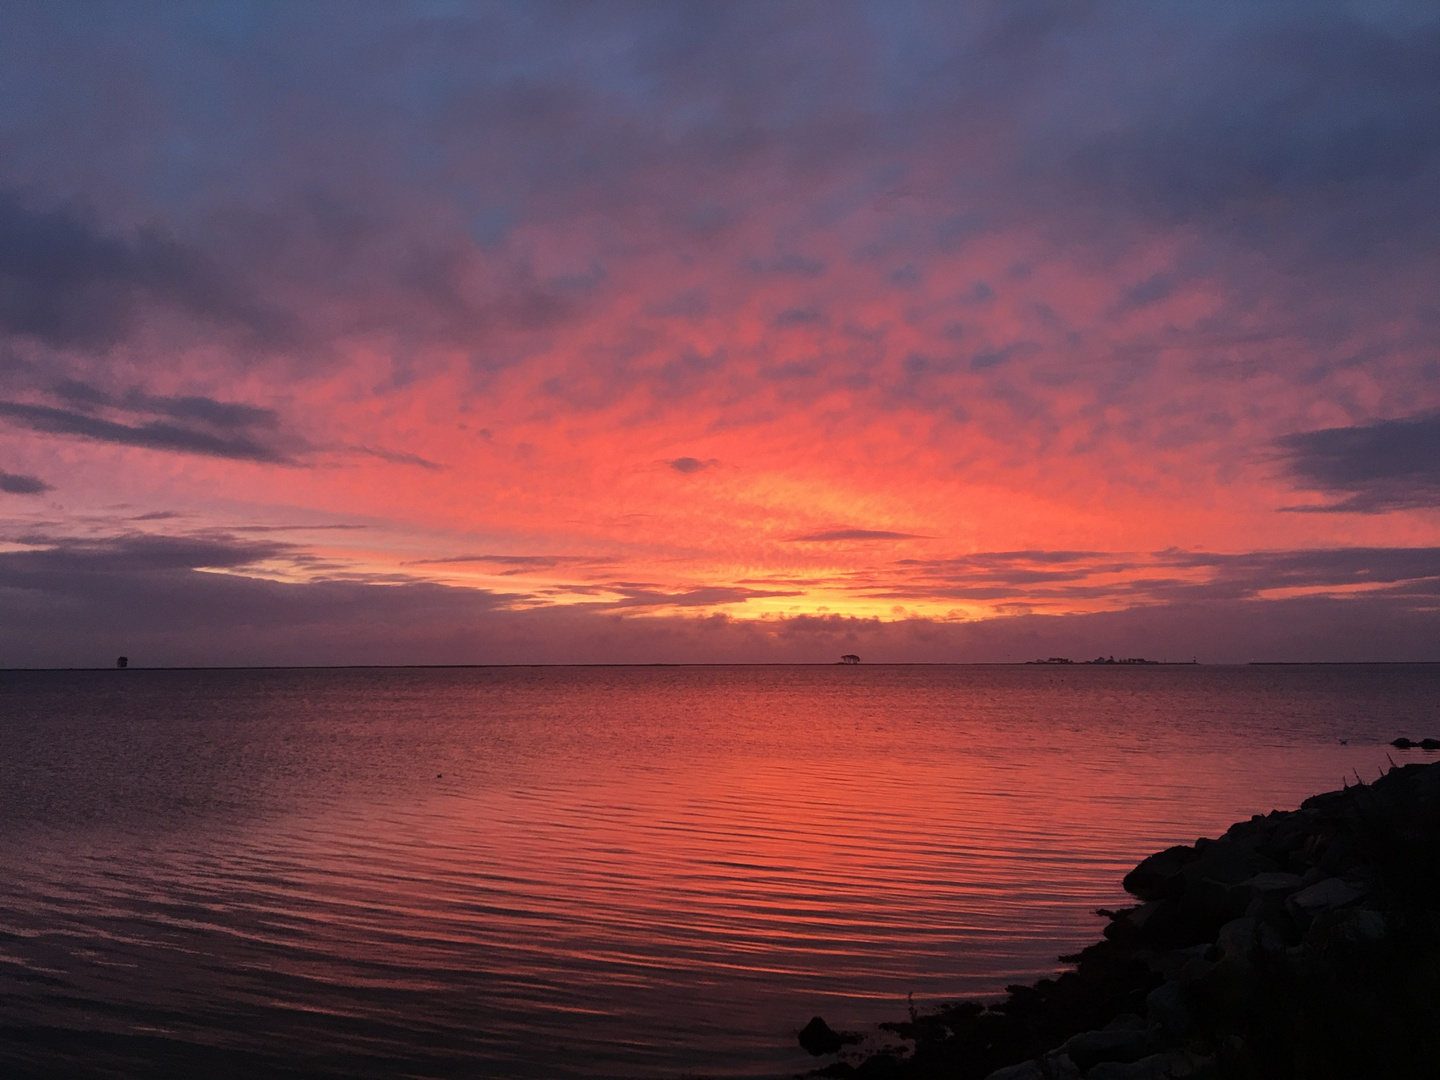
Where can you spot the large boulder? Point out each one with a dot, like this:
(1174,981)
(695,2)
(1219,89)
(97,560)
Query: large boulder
(1326,895)
(1170,1065)
(818,1038)
(1126,1038)
(1158,877)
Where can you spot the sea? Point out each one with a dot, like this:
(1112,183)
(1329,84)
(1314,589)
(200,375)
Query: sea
(603,872)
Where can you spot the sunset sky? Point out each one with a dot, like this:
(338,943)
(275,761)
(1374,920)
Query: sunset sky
(575,332)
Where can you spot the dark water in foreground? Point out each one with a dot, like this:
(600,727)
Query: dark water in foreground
(599,872)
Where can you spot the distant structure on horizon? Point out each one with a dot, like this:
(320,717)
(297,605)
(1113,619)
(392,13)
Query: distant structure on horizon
(849,658)
(122,661)
(1097,660)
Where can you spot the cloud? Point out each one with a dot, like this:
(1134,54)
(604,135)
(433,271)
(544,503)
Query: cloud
(228,415)
(16,484)
(702,596)
(1299,129)
(80,608)
(1060,579)
(1381,466)
(854,534)
(793,317)
(688,465)
(1251,573)
(151,435)
(401,457)
(514,564)
(796,265)
(70,283)
(51,559)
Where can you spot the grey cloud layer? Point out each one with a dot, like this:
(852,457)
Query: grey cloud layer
(70,283)
(1271,122)
(1387,465)
(83,601)
(82,604)
(151,435)
(1161,577)
(833,535)
(19,484)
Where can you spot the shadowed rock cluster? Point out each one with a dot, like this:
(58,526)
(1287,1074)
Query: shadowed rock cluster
(1298,946)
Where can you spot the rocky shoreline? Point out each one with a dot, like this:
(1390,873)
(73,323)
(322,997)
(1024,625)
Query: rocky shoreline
(1301,945)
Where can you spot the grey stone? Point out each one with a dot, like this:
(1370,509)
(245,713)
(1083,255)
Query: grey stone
(1141,915)
(1236,937)
(1226,863)
(1168,1009)
(1326,895)
(1274,881)
(1058,1066)
(1026,1070)
(1171,963)
(1195,969)
(1170,1065)
(1125,1043)
(1361,925)
(1239,938)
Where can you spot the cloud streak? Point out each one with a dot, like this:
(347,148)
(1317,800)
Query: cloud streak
(143,601)
(836,535)
(150,435)
(19,484)
(68,283)
(1381,466)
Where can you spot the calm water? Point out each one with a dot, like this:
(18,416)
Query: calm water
(600,872)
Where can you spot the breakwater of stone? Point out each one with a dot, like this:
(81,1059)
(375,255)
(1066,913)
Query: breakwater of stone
(1301,945)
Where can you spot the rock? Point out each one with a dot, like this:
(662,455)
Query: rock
(1058,1066)
(1326,895)
(1141,915)
(1123,1039)
(1054,1066)
(882,1066)
(1236,938)
(1168,1008)
(817,1038)
(1274,881)
(1269,910)
(1402,743)
(1227,863)
(1430,744)
(1360,925)
(1026,1070)
(1158,877)
(1171,964)
(1271,882)
(1194,970)
(1171,1064)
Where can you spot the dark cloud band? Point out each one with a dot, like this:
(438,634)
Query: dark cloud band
(17,484)
(154,435)
(1382,466)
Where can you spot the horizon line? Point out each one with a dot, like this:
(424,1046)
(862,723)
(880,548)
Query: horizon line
(735,663)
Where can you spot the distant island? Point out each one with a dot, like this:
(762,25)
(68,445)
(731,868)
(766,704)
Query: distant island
(849,658)
(1100,660)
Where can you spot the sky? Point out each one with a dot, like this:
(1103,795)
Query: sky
(601,332)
